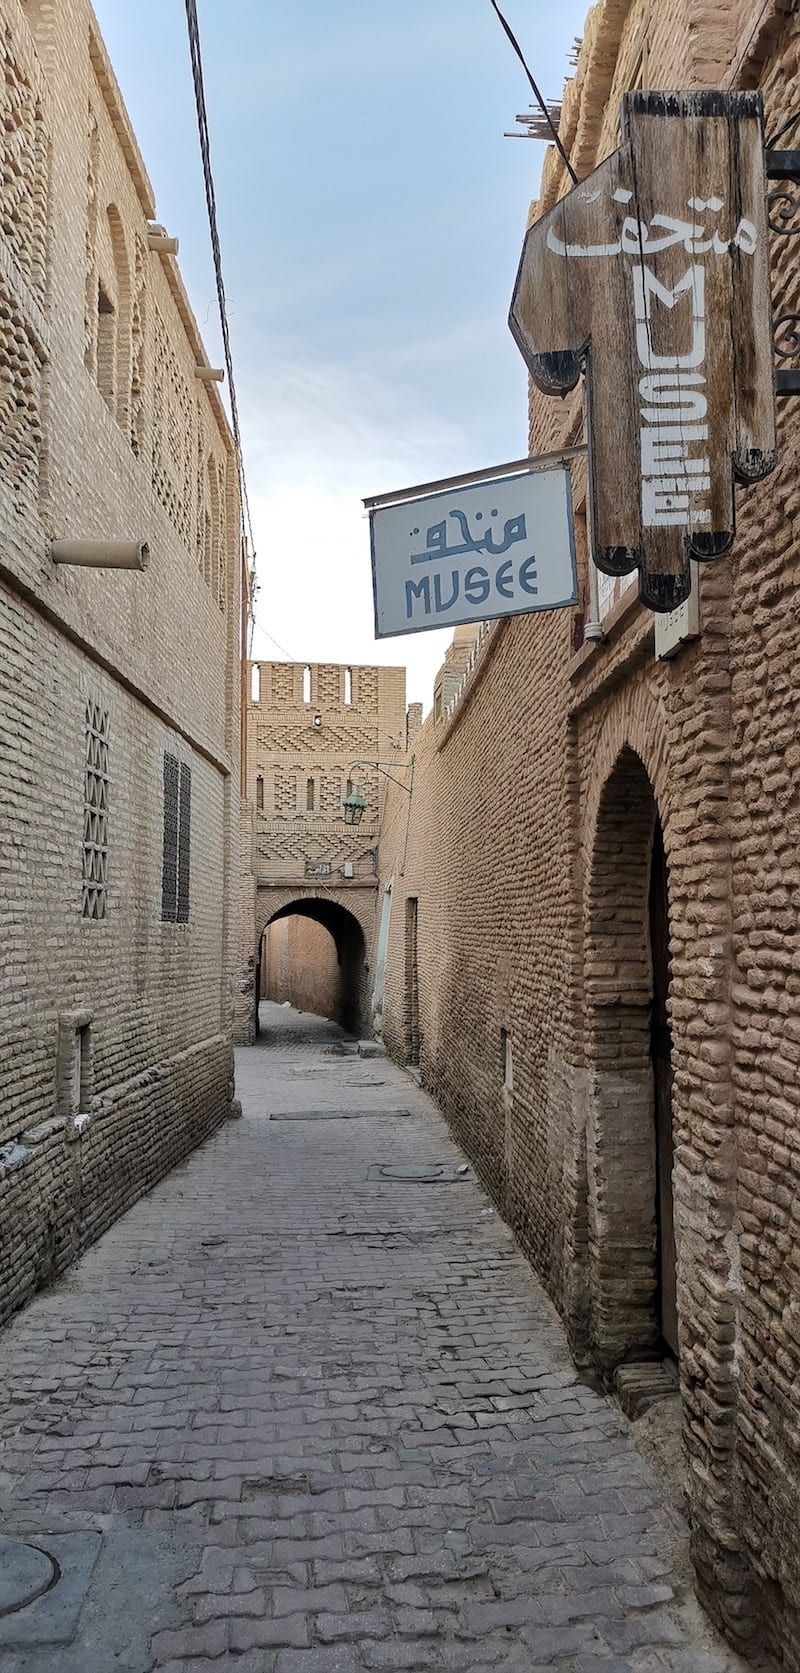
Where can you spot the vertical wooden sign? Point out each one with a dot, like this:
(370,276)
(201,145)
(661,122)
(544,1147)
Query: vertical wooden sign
(652,275)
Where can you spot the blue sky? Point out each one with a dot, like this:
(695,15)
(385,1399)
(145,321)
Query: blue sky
(371,217)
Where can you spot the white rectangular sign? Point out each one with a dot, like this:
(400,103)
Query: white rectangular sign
(499,547)
(674,628)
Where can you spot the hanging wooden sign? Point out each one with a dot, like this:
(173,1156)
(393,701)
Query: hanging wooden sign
(652,276)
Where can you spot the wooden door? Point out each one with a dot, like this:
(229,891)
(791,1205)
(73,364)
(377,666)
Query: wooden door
(661,1051)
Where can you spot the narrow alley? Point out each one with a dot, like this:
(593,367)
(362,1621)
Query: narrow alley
(306,1407)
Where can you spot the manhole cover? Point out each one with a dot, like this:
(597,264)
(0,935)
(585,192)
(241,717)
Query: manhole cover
(42,1587)
(25,1573)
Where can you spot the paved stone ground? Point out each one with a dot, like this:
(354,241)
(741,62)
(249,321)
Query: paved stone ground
(325,1419)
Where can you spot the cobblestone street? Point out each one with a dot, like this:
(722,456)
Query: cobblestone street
(305,1409)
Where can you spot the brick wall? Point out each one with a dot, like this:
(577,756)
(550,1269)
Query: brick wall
(537,789)
(312,732)
(299,963)
(105,432)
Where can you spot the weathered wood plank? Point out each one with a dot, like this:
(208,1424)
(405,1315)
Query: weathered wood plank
(652,274)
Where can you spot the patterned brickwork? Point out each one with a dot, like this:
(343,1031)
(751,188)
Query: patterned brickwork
(173,436)
(24,174)
(307,727)
(20,403)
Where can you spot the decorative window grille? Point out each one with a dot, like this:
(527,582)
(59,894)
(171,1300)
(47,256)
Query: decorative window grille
(175,865)
(95,812)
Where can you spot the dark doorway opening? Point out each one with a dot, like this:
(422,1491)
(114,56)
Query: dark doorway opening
(629,1246)
(661,1058)
(412,981)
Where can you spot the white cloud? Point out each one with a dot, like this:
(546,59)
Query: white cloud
(319,438)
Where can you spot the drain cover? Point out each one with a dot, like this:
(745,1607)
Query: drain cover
(25,1573)
(433,1175)
(336,1115)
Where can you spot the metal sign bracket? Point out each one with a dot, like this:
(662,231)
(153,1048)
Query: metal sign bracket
(783,214)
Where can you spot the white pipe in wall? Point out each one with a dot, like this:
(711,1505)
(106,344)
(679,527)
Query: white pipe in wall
(160,241)
(102,554)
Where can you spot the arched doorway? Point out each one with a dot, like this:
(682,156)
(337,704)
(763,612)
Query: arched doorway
(323,961)
(629,1154)
(661,1060)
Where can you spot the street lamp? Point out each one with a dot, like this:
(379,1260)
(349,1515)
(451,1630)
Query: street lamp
(354,807)
(354,804)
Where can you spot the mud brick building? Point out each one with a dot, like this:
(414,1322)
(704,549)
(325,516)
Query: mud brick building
(314,732)
(593,942)
(119,688)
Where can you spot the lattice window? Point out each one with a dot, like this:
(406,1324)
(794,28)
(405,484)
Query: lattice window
(176,858)
(95,812)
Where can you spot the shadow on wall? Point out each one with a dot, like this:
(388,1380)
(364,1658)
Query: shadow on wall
(312,953)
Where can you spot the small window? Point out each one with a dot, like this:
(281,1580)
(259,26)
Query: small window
(310,795)
(74,1068)
(260,793)
(348,687)
(80,1090)
(306,685)
(176,857)
(255,683)
(106,348)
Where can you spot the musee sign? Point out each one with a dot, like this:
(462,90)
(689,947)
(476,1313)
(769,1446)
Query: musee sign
(653,274)
(467,551)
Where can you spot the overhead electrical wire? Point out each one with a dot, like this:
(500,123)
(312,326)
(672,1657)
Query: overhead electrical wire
(537,95)
(211,205)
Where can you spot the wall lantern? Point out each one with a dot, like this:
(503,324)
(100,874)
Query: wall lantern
(354,804)
(354,807)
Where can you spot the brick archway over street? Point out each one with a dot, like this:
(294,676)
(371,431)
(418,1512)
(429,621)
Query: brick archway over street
(350,926)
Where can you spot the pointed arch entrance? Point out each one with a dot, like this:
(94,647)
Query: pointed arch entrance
(629,1151)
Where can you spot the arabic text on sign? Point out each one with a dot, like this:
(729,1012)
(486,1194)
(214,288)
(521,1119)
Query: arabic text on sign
(436,543)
